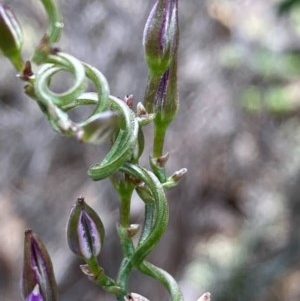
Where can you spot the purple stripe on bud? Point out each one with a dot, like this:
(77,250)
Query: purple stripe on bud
(160,36)
(85,231)
(37,269)
(89,238)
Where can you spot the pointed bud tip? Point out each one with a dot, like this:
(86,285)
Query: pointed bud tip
(80,200)
(129,100)
(135,297)
(132,230)
(205,297)
(162,160)
(179,174)
(28,231)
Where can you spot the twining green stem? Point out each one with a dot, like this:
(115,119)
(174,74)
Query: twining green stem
(149,221)
(57,63)
(126,265)
(161,215)
(163,277)
(125,188)
(125,211)
(155,224)
(123,145)
(117,160)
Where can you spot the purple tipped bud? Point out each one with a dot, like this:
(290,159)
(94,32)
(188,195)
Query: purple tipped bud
(160,36)
(85,231)
(175,178)
(177,175)
(35,295)
(38,276)
(11,36)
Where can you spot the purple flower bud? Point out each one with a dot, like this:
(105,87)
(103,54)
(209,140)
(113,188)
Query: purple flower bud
(38,275)
(85,231)
(11,36)
(161,36)
(35,295)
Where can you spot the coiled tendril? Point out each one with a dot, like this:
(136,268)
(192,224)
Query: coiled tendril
(57,105)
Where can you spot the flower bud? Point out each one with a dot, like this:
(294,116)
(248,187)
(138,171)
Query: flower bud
(173,180)
(38,276)
(160,36)
(11,36)
(85,231)
(158,166)
(35,295)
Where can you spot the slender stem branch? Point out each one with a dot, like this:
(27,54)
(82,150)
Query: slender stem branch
(163,277)
(55,20)
(125,197)
(159,139)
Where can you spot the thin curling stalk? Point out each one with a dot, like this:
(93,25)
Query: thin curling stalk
(53,33)
(55,20)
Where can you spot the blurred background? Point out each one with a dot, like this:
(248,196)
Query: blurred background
(235,218)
